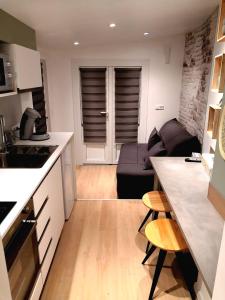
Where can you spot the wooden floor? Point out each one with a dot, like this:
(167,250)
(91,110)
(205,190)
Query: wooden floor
(96,182)
(99,257)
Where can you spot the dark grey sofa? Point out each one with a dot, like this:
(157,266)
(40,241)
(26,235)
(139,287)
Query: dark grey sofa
(133,180)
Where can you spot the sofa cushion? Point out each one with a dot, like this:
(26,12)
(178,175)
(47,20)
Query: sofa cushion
(128,154)
(142,152)
(157,150)
(153,138)
(132,170)
(176,138)
(133,182)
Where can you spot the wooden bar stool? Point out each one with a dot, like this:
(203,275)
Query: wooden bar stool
(156,202)
(165,235)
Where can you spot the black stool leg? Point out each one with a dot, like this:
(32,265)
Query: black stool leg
(148,244)
(155,215)
(145,219)
(168,215)
(152,249)
(160,261)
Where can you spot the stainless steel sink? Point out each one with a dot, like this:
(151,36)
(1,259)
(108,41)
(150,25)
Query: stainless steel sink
(26,156)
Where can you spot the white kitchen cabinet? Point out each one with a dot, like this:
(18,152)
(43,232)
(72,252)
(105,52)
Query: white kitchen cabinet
(68,177)
(27,67)
(56,201)
(5,292)
(49,210)
(45,241)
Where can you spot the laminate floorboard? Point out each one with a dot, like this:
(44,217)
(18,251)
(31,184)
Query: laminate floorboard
(99,257)
(96,182)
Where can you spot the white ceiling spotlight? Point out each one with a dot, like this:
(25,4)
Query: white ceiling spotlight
(146,34)
(112,25)
(76,43)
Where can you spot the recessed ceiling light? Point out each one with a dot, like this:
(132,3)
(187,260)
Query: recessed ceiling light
(112,25)
(146,33)
(76,43)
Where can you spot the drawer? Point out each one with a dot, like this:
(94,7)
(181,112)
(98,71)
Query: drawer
(43,219)
(36,292)
(44,241)
(40,196)
(47,261)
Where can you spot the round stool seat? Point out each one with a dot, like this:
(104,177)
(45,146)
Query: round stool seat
(165,234)
(156,201)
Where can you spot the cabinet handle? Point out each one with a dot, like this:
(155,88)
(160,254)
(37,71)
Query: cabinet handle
(46,251)
(42,207)
(46,226)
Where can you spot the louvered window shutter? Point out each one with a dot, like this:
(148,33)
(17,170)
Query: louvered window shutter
(127,94)
(93,96)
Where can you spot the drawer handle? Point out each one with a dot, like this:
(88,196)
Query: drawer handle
(49,244)
(46,226)
(42,207)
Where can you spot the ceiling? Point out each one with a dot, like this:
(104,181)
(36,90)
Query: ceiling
(59,23)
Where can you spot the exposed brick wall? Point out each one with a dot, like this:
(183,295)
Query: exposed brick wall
(198,55)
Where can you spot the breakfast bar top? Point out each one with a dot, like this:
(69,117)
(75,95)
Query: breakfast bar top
(186,187)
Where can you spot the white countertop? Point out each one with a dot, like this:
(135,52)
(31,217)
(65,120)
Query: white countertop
(20,184)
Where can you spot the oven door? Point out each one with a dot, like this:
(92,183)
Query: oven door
(22,260)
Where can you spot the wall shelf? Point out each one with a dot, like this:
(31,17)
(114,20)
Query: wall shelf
(221,23)
(213,121)
(218,80)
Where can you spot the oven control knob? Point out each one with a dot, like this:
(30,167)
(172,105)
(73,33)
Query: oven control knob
(26,210)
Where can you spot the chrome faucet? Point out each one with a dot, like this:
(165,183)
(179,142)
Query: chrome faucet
(2,135)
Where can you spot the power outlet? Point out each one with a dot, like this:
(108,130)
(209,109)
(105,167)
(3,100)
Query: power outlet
(159,107)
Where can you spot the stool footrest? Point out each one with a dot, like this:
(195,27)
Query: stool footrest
(145,219)
(152,249)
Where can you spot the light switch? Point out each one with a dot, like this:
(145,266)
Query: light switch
(159,107)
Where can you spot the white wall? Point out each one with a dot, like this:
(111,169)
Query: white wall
(164,80)
(10,108)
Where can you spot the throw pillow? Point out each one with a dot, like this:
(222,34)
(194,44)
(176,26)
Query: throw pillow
(177,140)
(157,150)
(153,139)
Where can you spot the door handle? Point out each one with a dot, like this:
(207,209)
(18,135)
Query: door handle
(104,113)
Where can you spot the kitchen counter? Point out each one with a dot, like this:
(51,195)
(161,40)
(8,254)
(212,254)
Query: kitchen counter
(20,184)
(186,188)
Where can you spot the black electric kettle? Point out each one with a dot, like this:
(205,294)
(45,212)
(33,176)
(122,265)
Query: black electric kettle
(27,123)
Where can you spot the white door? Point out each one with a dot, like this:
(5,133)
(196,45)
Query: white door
(103,124)
(96,117)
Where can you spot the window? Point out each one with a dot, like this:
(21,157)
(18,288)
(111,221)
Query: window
(93,96)
(127,94)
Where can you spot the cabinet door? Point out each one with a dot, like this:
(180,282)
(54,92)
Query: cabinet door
(56,201)
(27,66)
(68,174)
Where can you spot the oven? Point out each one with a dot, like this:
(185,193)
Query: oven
(21,252)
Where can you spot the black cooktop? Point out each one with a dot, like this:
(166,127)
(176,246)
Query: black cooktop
(5,208)
(21,156)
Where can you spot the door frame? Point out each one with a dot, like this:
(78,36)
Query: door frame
(80,148)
